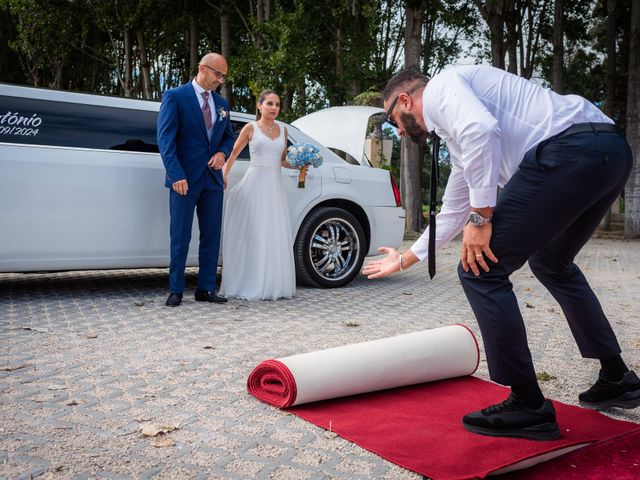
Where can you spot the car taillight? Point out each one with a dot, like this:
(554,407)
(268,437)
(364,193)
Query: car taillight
(396,191)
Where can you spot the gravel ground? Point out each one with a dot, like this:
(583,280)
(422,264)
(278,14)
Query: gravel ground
(88,358)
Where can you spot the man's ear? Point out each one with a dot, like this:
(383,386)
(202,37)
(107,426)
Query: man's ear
(405,98)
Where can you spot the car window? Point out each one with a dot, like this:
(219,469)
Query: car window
(237,125)
(45,122)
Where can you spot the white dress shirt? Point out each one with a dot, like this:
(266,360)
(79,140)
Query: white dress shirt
(489,118)
(212,104)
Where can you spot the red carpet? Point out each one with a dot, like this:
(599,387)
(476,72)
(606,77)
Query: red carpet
(272,382)
(382,364)
(616,458)
(419,428)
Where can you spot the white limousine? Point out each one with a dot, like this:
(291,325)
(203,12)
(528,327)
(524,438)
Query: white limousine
(81,187)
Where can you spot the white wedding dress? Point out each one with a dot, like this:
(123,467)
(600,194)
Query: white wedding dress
(257,248)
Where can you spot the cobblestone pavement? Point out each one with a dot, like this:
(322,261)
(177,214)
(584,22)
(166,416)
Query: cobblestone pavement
(86,358)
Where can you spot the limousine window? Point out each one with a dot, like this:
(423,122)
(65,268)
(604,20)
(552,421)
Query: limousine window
(237,126)
(44,122)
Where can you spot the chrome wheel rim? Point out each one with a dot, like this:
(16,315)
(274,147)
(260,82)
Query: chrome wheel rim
(334,249)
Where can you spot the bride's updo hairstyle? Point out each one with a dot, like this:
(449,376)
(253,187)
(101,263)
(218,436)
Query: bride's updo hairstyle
(261,98)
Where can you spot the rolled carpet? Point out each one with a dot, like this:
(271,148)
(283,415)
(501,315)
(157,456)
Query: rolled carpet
(409,359)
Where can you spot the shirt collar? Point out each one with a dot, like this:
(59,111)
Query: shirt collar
(198,88)
(427,121)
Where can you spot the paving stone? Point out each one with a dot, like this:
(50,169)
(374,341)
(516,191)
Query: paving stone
(99,355)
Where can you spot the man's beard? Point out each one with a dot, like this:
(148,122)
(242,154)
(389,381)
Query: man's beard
(414,131)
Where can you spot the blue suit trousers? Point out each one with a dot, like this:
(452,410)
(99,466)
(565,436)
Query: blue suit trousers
(546,213)
(205,197)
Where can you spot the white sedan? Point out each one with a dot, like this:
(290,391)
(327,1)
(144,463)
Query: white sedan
(82,188)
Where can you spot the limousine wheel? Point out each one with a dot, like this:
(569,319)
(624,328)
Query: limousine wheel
(329,248)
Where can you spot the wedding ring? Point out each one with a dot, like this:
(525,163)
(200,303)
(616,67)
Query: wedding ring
(478,255)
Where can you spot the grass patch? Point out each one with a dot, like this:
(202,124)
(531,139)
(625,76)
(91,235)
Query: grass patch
(544,377)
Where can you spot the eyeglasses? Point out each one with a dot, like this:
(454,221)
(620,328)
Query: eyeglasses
(387,117)
(221,76)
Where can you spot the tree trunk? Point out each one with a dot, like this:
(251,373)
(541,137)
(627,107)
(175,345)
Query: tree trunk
(30,69)
(128,80)
(410,158)
(144,65)
(558,48)
(609,106)
(259,11)
(266,6)
(56,67)
(360,25)
(225,42)
(493,13)
(497,42)
(532,26)
(257,38)
(194,37)
(186,71)
(302,98)
(338,96)
(632,191)
(287,101)
(512,36)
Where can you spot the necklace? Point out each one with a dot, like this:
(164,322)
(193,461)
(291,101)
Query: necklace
(270,128)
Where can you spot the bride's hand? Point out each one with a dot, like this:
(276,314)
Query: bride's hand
(386,266)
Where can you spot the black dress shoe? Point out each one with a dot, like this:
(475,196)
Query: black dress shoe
(174,300)
(512,419)
(625,393)
(204,296)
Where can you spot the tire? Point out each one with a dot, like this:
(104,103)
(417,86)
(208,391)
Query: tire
(330,248)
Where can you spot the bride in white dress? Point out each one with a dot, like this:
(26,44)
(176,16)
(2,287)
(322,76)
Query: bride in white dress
(257,247)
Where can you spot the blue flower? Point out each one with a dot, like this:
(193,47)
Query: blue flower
(301,154)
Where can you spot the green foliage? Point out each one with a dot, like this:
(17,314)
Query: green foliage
(369,99)
(315,54)
(8,57)
(42,31)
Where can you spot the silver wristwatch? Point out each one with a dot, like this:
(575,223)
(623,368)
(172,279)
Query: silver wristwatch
(478,220)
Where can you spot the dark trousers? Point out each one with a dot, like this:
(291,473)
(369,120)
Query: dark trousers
(545,214)
(204,197)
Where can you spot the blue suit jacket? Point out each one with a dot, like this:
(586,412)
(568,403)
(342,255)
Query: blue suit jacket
(184,145)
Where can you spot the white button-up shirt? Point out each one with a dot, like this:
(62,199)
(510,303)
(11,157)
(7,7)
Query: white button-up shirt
(212,104)
(489,118)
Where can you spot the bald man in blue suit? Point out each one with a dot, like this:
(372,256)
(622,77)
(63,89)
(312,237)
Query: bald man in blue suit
(195,138)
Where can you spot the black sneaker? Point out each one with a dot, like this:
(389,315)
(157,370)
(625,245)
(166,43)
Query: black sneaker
(625,393)
(511,419)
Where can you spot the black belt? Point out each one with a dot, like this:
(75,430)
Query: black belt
(589,127)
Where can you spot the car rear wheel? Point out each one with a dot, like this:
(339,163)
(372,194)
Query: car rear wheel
(330,248)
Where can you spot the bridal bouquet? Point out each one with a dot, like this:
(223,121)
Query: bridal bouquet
(301,155)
